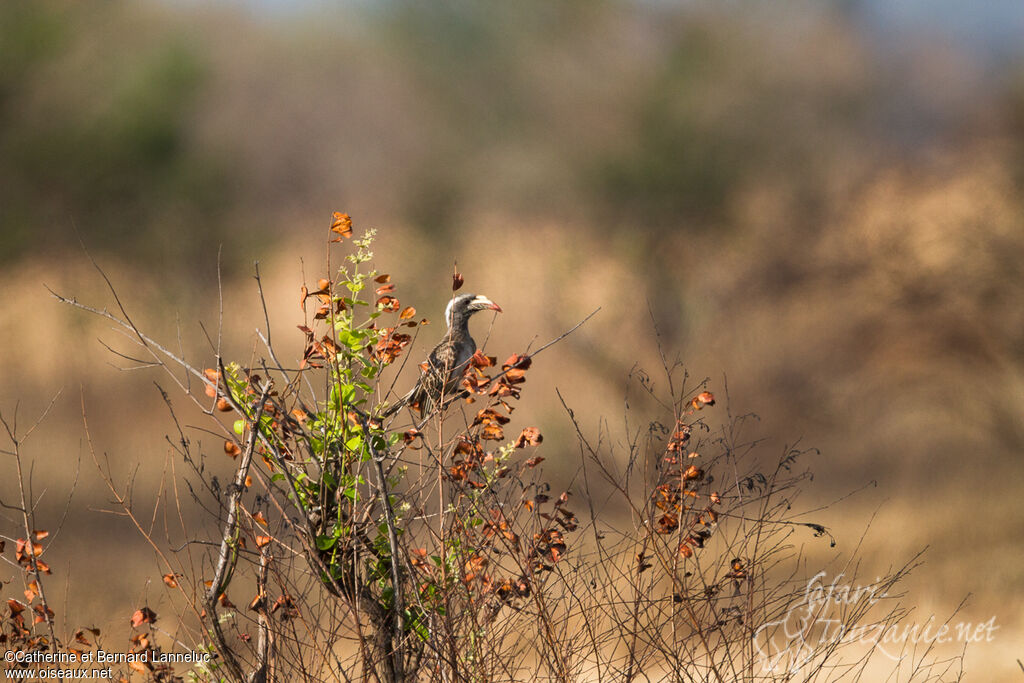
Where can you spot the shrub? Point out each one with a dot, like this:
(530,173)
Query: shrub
(400,548)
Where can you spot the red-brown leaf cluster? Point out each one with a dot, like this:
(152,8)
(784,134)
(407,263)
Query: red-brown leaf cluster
(676,497)
(548,546)
(680,435)
(492,422)
(326,300)
(473,566)
(508,383)
(388,303)
(212,381)
(316,352)
(287,606)
(418,559)
(390,345)
(512,588)
(480,361)
(498,527)
(341,224)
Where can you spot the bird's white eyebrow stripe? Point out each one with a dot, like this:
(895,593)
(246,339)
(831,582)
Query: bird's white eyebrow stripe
(448,312)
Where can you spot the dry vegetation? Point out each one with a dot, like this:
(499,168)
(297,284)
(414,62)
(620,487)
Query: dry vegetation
(836,227)
(429,548)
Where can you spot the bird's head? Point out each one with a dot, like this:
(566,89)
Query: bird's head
(466,305)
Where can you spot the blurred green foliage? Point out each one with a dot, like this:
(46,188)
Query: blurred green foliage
(95,137)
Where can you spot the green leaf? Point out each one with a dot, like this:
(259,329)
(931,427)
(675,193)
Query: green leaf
(325,542)
(415,623)
(239,427)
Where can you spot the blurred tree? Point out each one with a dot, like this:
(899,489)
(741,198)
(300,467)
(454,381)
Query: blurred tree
(95,132)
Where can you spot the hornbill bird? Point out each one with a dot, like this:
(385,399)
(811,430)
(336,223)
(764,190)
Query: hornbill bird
(446,364)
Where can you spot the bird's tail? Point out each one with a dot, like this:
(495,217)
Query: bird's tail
(399,404)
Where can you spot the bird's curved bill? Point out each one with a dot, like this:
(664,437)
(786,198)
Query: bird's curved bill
(483,302)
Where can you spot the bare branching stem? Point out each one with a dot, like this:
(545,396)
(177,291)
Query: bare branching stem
(26,509)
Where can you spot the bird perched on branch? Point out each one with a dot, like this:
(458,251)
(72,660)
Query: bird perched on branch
(449,359)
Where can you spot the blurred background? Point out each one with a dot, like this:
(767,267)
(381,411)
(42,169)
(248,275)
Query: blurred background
(820,202)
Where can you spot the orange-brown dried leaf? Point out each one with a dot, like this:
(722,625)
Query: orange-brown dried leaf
(479,360)
(490,415)
(667,523)
(390,346)
(232,449)
(530,436)
(141,667)
(518,360)
(492,431)
(693,473)
(388,304)
(705,398)
(142,616)
(474,565)
(213,377)
(408,313)
(341,223)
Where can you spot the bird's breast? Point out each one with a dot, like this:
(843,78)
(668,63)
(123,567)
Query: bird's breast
(463,352)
